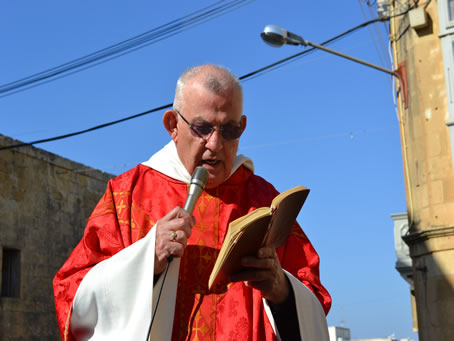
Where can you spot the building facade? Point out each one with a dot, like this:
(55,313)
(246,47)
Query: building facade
(422,39)
(339,333)
(45,201)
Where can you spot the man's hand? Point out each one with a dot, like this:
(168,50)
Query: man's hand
(173,231)
(265,274)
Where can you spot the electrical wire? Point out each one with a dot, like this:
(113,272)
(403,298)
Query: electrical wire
(139,39)
(372,35)
(127,46)
(370,3)
(247,76)
(104,125)
(380,38)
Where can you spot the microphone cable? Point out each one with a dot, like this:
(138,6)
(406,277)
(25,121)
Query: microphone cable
(169,260)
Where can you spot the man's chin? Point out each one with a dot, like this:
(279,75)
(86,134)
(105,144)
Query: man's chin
(214,180)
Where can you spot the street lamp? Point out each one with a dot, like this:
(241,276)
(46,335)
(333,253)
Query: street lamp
(277,36)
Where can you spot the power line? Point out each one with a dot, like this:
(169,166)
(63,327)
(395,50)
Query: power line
(379,52)
(383,44)
(127,46)
(104,125)
(247,76)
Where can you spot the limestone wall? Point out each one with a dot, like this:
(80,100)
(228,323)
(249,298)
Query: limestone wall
(45,201)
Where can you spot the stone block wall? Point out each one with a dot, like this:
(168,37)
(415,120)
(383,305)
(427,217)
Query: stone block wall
(45,201)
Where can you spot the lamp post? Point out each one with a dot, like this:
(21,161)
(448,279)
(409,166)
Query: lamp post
(277,36)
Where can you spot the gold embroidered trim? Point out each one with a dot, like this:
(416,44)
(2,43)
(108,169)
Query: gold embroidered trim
(67,324)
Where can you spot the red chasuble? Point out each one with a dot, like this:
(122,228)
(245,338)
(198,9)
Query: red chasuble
(132,204)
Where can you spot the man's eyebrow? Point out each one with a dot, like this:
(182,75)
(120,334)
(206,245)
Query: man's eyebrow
(200,119)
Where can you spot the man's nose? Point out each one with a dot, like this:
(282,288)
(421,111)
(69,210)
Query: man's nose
(214,141)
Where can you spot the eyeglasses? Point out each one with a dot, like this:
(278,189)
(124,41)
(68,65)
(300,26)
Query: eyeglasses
(228,131)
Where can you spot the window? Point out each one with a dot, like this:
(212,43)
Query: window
(11,273)
(450,10)
(446,17)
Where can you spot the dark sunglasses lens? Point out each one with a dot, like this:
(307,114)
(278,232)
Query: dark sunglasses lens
(231,132)
(202,129)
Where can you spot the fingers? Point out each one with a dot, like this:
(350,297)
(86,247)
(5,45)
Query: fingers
(266,252)
(172,234)
(263,267)
(179,237)
(178,218)
(183,224)
(264,273)
(251,276)
(266,258)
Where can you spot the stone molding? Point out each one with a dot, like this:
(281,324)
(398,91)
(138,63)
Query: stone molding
(430,240)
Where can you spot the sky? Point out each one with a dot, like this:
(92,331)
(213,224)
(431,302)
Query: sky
(319,121)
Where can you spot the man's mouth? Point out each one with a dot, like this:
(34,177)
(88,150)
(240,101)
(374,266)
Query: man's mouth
(211,162)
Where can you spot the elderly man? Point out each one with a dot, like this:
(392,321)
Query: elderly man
(105,289)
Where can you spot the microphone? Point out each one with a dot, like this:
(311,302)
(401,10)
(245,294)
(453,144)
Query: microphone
(198,181)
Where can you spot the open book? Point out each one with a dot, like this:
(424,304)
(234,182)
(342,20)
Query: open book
(265,226)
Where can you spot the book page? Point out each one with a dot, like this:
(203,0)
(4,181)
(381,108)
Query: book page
(244,238)
(286,207)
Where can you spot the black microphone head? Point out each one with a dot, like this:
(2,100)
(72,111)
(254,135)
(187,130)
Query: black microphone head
(200,177)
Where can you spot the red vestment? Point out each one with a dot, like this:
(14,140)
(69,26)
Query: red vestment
(132,204)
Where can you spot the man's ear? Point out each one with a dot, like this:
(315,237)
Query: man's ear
(170,120)
(243,122)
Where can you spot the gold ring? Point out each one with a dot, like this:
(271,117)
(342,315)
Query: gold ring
(173,236)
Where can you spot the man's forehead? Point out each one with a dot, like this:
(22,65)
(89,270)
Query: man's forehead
(197,93)
(217,81)
(198,85)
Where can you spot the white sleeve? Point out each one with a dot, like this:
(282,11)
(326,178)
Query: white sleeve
(114,300)
(311,317)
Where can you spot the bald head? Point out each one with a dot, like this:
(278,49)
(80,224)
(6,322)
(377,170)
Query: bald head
(215,78)
(208,97)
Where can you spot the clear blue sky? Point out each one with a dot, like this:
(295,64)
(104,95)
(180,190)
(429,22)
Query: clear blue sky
(321,121)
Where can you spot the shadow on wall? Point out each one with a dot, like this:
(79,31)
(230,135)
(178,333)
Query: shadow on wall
(432,254)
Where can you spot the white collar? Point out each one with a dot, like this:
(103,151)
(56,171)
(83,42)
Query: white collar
(167,162)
